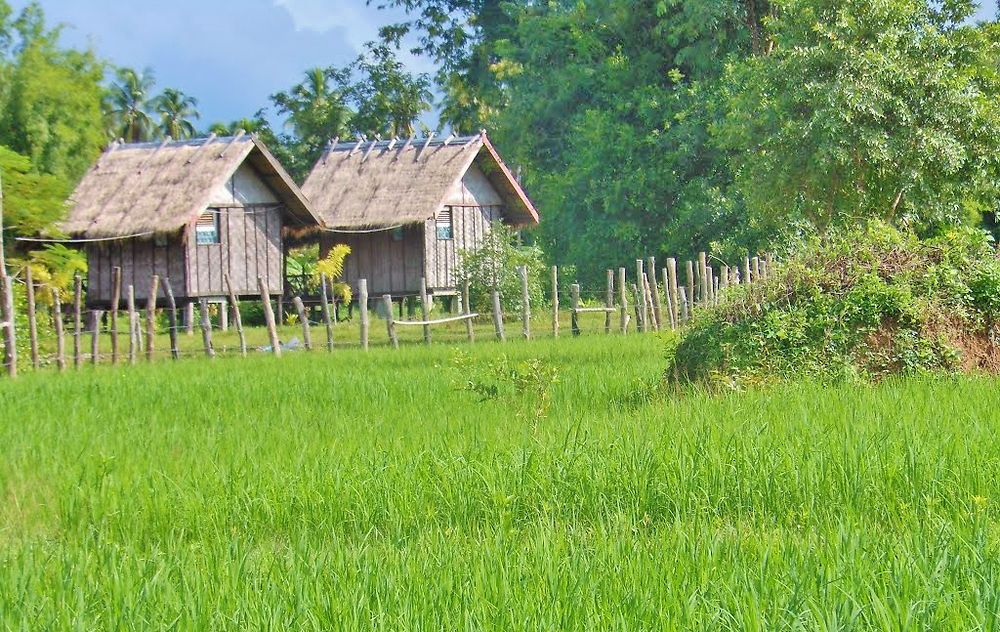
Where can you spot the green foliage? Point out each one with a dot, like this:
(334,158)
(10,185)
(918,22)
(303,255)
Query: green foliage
(54,266)
(31,201)
(865,303)
(493,265)
(524,385)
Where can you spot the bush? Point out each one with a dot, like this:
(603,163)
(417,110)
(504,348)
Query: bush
(493,266)
(865,303)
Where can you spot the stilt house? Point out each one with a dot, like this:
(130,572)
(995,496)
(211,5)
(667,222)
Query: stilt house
(407,208)
(192,211)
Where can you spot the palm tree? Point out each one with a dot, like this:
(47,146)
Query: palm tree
(177,111)
(127,105)
(316,109)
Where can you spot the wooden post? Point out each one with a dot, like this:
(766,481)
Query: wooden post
(755,268)
(132,323)
(189,318)
(575,305)
(724,280)
(171,318)
(60,338)
(641,305)
(747,278)
(703,285)
(768,265)
(272,331)
(709,285)
(425,309)
(77,321)
(609,301)
(498,317)
(29,285)
(95,336)
(690,286)
(390,323)
(685,308)
(675,313)
(116,297)
(470,332)
(525,303)
(555,301)
(363,306)
(224,316)
(327,319)
(623,300)
(647,288)
(237,317)
(206,328)
(655,291)
(635,302)
(154,290)
(304,319)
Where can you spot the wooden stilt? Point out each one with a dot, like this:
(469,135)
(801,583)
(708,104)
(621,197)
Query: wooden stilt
(29,284)
(171,318)
(272,331)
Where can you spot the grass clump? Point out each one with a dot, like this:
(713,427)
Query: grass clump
(865,303)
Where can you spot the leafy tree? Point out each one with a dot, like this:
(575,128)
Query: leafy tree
(388,98)
(31,201)
(316,111)
(129,103)
(493,264)
(50,96)
(177,112)
(866,109)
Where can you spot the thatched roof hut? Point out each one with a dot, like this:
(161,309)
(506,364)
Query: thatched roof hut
(193,211)
(408,208)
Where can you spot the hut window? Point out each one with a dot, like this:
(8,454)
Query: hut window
(445,228)
(397,233)
(207,229)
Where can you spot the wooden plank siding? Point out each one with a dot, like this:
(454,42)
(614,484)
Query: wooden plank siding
(391,262)
(139,260)
(470,224)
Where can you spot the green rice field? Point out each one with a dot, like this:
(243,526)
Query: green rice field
(377,491)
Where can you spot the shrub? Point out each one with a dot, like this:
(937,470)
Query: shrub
(493,266)
(865,303)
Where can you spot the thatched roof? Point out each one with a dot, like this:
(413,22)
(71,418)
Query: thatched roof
(389,183)
(157,188)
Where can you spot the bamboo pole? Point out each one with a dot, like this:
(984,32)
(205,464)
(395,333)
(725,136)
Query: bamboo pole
(300,308)
(498,317)
(641,305)
(206,328)
(623,300)
(116,298)
(390,323)
(154,290)
(470,332)
(77,321)
(522,271)
(175,352)
(237,316)
(29,285)
(672,289)
(95,336)
(272,331)
(363,306)
(132,323)
(555,301)
(425,309)
(327,319)
(60,336)
(575,316)
(609,301)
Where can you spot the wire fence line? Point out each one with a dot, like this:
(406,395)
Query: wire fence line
(638,300)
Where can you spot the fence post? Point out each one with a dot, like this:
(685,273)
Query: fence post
(724,280)
(755,268)
(327,319)
(237,316)
(498,317)
(609,301)
(575,305)
(469,329)
(77,321)
(390,323)
(641,305)
(95,336)
(154,290)
(525,303)
(272,331)
(132,322)
(425,310)
(665,282)
(675,313)
(171,318)
(747,279)
(29,284)
(654,289)
(206,328)
(300,308)
(623,300)
(60,338)
(363,307)
(685,308)
(690,286)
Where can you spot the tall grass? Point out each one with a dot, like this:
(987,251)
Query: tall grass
(367,491)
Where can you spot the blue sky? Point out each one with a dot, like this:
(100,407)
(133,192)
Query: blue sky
(230,54)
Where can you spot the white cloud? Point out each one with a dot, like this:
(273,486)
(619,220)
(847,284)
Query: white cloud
(357,22)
